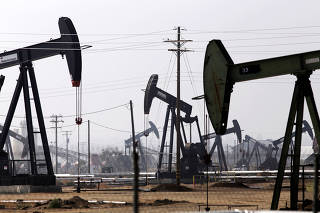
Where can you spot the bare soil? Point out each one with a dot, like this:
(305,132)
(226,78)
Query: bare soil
(164,198)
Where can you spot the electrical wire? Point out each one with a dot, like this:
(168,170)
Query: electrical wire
(99,111)
(189,71)
(64,94)
(250,30)
(142,47)
(142,78)
(87,34)
(106,127)
(166,87)
(87,113)
(166,79)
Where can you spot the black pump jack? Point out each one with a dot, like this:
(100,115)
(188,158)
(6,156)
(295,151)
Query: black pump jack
(68,45)
(188,149)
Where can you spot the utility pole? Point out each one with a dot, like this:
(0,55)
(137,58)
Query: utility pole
(89,146)
(67,133)
(56,121)
(178,43)
(135,166)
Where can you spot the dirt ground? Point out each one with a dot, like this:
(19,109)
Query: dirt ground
(255,195)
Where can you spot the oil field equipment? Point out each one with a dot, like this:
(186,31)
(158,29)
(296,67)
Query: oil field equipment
(218,143)
(219,76)
(67,45)
(248,154)
(71,155)
(20,165)
(311,158)
(19,138)
(128,143)
(270,151)
(193,154)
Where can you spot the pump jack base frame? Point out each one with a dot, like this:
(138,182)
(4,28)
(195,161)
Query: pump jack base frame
(302,90)
(33,177)
(34,180)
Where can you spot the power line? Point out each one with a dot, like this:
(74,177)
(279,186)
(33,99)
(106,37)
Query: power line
(118,81)
(250,30)
(167,81)
(188,67)
(99,111)
(129,35)
(266,38)
(87,34)
(87,113)
(273,45)
(87,91)
(142,47)
(106,127)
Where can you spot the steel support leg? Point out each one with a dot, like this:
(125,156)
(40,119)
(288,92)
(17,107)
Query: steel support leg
(12,108)
(259,158)
(163,140)
(294,181)
(183,132)
(13,167)
(213,146)
(180,140)
(219,156)
(315,206)
(173,121)
(316,127)
(143,158)
(313,111)
(41,124)
(285,148)
(222,157)
(199,132)
(33,160)
(257,162)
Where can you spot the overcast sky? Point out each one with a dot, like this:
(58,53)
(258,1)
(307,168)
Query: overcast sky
(127,39)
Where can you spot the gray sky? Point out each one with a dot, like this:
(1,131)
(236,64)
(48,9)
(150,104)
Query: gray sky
(127,39)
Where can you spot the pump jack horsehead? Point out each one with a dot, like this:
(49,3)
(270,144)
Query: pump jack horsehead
(219,75)
(68,45)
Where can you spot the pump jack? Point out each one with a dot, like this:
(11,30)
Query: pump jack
(128,143)
(219,76)
(218,143)
(247,155)
(306,128)
(270,162)
(68,45)
(258,145)
(193,153)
